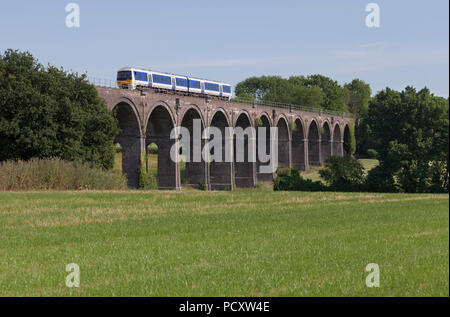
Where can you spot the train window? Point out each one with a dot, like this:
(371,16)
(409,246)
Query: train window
(124,75)
(181,82)
(194,84)
(211,86)
(160,79)
(227,89)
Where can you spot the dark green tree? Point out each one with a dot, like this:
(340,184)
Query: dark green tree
(47,112)
(358,97)
(410,134)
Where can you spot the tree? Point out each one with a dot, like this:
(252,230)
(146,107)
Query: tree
(47,112)
(313,91)
(358,97)
(343,173)
(335,97)
(410,134)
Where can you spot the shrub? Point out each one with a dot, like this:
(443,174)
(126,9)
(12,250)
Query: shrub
(349,139)
(372,153)
(57,174)
(380,180)
(290,179)
(118,148)
(146,180)
(152,148)
(343,173)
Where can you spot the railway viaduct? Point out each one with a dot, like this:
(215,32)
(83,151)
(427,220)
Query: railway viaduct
(304,137)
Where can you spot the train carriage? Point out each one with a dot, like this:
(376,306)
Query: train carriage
(134,78)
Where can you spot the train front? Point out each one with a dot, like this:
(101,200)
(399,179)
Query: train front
(125,78)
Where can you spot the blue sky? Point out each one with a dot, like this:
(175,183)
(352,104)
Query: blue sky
(232,40)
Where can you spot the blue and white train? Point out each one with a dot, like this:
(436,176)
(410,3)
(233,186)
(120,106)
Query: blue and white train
(134,78)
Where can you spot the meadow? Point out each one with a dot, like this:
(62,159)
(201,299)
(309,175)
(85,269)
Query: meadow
(241,243)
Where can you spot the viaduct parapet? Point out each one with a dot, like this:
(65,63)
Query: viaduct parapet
(304,138)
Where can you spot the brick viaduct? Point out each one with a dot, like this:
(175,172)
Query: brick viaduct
(304,138)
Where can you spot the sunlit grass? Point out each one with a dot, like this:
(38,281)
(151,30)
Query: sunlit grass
(241,243)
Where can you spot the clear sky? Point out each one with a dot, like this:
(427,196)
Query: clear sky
(230,40)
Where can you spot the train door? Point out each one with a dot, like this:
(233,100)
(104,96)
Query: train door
(150,80)
(202,86)
(174,83)
(220,91)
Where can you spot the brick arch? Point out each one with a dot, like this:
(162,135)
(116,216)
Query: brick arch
(220,171)
(195,172)
(283,141)
(130,138)
(267,123)
(163,104)
(325,143)
(247,114)
(265,114)
(298,145)
(192,107)
(224,112)
(130,102)
(159,125)
(314,142)
(244,151)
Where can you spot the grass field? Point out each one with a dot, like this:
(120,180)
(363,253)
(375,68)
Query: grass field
(241,243)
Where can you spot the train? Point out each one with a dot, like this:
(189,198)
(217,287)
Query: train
(136,78)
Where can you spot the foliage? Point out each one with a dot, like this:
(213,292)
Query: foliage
(290,179)
(358,97)
(146,180)
(343,173)
(258,122)
(313,91)
(203,186)
(372,153)
(118,148)
(56,174)
(47,112)
(409,131)
(349,139)
(152,148)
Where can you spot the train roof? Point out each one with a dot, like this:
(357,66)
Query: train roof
(156,71)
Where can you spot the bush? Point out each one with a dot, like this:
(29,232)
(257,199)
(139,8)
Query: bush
(343,173)
(146,180)
(290,179)
(118,148)
(380,180)
(372,153)
(152,148)
(57,174)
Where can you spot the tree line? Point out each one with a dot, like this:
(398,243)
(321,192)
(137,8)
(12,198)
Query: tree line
(407,131)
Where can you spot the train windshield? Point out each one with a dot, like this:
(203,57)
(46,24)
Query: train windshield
(124,75)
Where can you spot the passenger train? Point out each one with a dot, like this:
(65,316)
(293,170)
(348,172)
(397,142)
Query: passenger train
(134,78)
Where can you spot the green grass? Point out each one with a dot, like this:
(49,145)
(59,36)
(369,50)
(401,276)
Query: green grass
(313,172)
(240,243)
